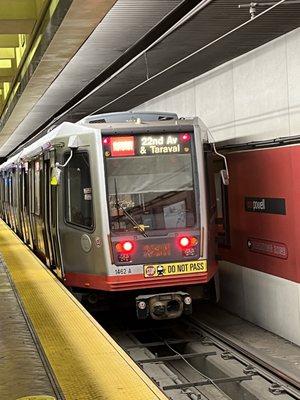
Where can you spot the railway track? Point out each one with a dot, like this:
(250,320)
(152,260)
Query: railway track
(262,365)
(189,360)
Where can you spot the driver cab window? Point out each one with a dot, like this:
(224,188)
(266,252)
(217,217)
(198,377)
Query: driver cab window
(78,191)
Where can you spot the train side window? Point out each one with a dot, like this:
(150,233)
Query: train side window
(15,188)
(6,189)
(1,189)
(10,189)
(78,191)
(37,177)
(31,187)
(26,189)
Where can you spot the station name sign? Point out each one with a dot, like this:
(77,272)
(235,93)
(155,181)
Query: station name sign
(265,205)
(144,145)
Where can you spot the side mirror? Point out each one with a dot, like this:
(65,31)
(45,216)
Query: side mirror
(224,177)
(73,142)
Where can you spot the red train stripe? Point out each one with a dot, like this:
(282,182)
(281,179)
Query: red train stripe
(132,282)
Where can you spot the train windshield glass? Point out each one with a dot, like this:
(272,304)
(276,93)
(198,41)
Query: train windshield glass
(150,182)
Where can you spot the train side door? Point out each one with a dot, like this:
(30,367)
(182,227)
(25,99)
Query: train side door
(31,188)
(46,214)
(26,189)
(76,220)
(21,196)
(26,204)
(15,204)
(6,197)
(51,195)
(37,207)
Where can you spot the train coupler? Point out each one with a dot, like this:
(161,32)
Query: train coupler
(163,305)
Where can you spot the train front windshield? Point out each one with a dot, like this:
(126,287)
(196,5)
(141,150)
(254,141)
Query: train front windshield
(150,182)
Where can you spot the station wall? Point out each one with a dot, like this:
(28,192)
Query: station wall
(254,97)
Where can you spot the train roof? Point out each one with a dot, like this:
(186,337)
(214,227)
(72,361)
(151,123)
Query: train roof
(128,116)
(64,130)
(137,120)
(102,121)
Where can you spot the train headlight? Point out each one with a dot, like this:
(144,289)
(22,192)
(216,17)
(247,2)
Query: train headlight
(142,305)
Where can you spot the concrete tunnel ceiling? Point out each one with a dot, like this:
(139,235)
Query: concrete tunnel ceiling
(108,49)
(18,19)
(92,56)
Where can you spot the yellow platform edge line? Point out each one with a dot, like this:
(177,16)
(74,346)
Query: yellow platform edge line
(87,362)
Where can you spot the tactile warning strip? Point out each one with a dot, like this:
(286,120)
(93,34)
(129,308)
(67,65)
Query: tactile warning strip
(86,361)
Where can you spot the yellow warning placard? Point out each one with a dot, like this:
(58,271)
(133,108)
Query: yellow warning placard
(178,268)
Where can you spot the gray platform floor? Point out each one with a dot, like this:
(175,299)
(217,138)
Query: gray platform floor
(269,347)
(22,372)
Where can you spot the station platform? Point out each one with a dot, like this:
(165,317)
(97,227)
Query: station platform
(50,346)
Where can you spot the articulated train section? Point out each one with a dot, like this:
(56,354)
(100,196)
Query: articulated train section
(114,221)
(149,200)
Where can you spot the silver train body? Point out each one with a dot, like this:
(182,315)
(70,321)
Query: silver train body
(119,203)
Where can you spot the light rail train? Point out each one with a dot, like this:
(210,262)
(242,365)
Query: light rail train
(120,203)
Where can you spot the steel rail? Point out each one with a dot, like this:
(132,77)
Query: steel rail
(164,363)
(262,367)
(191,331)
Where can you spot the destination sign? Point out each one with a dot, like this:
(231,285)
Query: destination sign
(165,144)
(144,145)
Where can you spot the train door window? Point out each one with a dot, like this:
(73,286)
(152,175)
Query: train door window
(37,177)
(78,191)
(6,188)
(2,189)
(10,189)
(26,188)
(2,194)
(31,186)
(15,187)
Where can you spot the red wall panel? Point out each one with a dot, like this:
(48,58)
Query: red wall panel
(266,173)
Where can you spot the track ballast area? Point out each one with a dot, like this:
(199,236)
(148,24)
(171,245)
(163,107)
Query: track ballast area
(189,359)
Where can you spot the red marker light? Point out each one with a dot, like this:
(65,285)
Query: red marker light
(106,140)
(124,247)
(184,242)
(184,137)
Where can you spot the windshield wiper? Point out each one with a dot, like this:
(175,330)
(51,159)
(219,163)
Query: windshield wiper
(136,225)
